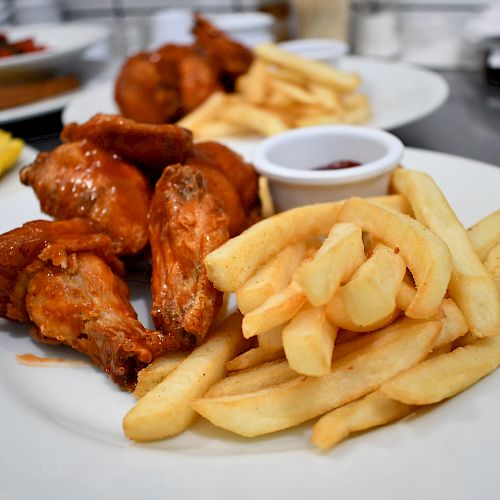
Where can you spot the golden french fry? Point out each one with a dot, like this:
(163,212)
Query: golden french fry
(265,197)
(471,287)
(295,92)
(166,410)
(319,119)
(326,96)
(280,73)
(254,118)
(254,84)
(356,115)
(336,260)
(426,256)
(308,342)
(253,357)
(205,111)
(214,128)
(275,311)
(370,295)
(372,410)
(253,379)
(291,403)
(453,324)
(154,373)
(272,340)
(492,264)
(444,376)
(272,277)
(230,265)
(485,234)
(355,101)
(312,70)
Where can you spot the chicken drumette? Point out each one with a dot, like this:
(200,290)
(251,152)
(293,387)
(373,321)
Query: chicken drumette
(186,222)
(164,85)
(62,277)
(80,180)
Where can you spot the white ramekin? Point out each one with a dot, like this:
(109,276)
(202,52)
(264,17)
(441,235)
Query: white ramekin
(288,160)
(326,50)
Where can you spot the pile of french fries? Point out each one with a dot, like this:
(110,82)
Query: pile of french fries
(280,91)
(358,312)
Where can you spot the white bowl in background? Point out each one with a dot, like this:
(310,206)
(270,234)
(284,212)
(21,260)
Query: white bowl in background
(326,50)
(289,161)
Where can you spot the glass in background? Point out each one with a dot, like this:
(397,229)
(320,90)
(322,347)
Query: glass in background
(322,18)
(377,29)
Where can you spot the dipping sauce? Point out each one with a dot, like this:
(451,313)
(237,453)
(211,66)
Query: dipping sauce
(335,165)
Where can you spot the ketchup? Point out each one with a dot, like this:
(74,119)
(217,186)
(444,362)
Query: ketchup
(335,165)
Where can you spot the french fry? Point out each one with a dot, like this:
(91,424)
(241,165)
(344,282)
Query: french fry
(370,295)
(291,403)
(275,311)
(265,197)
(485,234)
(308,342)
(217,129)
(154,373)
(471,287)
(254,84)
(444,376)
(230,265)
(426,256)
(166,410)
(453,324)
(253,357)
(208,110)
(254,118)
(326,96)
(312,70)
(319,119)
(373,410)
(492,264)
(272,277)
(272,340)
(335,262)
(295,92)
(253,379)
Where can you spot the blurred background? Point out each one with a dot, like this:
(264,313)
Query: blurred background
(441,34)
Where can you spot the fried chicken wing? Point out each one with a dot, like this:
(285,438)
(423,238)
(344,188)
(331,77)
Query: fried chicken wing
(80,180)
(241,174)
(232,58)
(186,222)
(51,239)
(143,94)
(153,146)
(60,275)
(164,85)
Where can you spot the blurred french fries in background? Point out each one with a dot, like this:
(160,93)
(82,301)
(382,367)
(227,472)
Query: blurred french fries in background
(351,310)
(281,91)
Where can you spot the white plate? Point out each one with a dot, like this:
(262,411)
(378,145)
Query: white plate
(399,93)
(63,42)
(60,427)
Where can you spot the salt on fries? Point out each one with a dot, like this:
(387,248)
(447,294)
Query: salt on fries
(280,91)
(399,274)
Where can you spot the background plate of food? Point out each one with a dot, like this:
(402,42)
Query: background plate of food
(397,94)
(61,417)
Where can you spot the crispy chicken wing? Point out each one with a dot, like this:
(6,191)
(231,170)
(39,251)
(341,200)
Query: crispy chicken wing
(143,94)
(80,180)
(186,222)
(232,58)
(153,146)
(241,174)
(60,276)
(164,85)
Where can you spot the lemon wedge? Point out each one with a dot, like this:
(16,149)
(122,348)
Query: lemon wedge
(10,150)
